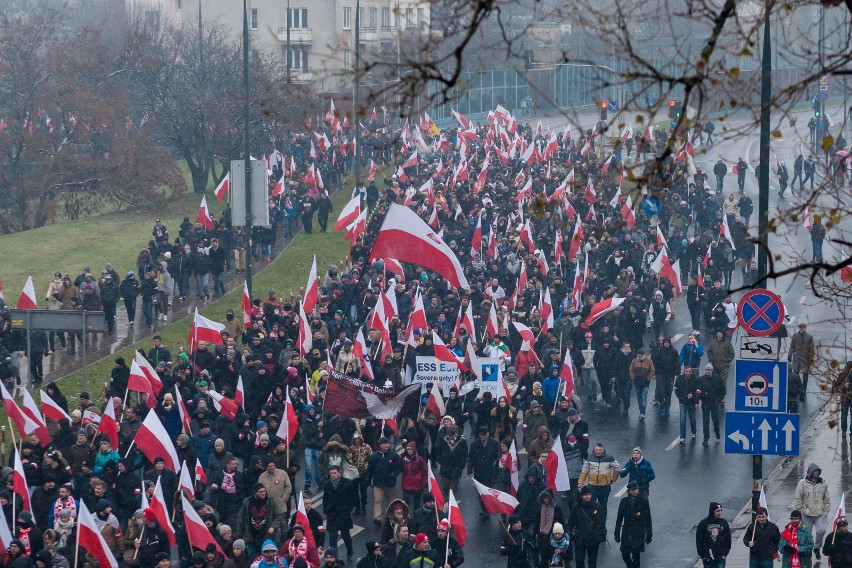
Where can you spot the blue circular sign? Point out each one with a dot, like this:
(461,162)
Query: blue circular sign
(760,312)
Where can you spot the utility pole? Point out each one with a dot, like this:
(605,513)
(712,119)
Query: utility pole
(763,203)
(821,52)
(355,118)
(200,36)
(289,53)
(246,145)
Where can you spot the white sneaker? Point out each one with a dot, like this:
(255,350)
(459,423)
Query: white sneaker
(165,317)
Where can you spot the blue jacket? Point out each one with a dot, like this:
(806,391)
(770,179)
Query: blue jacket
(642,473)
(690,355)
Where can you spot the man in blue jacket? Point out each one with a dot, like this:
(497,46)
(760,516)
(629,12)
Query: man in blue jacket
(691,353)
(640,470)
(383,467)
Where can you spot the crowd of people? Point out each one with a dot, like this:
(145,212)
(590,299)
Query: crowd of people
(560,230)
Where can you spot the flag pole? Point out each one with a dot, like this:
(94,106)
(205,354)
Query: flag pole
(507,531)
(77,548)
(139,538)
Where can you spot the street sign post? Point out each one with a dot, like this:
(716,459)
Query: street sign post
(761,386)
(760,312)
(761,433)
(759,348)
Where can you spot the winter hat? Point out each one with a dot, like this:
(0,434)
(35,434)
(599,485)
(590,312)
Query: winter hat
(223,528)
(239,543)
(514,519)
(160,556)
(81,432)
(420,539)
(299,527)
(25,516)
(637,449)
(149,515)
(572,412)
(444,526)
(708,367)
(65,514)
(558,529)
(269,545)
(796,514)
(197,558)
(256,487)
(330,551)
(372,546)
(633,485)
(383,440)
(103,505)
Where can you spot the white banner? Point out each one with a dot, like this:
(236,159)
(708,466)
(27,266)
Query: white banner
(430,370)
(488,377)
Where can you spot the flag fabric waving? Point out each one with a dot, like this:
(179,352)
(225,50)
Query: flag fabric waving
(23,423)
(514,469)
(90,538)
(195,528)
(434,488)
(557,468)
(108,426)
(30,408)
(20,484)
(158,504)
(456,520)
(223,187)
(246,305)
(52,410)
(495,501)
(435,402)
(302,519)
(602,308)
(27,300)
(312,289)
(203,216)
(203,329)
(153,441)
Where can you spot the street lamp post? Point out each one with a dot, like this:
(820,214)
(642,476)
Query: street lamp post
(289,53)
(355,119)
(246,145)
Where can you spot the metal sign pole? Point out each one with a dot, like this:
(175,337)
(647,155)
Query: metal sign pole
(29,349)
(85,352)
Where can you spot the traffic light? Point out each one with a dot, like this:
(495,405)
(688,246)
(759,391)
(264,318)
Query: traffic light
(674,108)
(817,107)
(603,110)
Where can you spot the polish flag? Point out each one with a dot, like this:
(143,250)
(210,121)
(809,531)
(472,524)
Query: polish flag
(761,502)
(577,289)
(203,329)
(199,472)
(246,305)
(627,212)
(466,319)
(149,372)
(576,239)
(393,265)
(349,213)
(661,239)
(302,519)
(614,201)
(28,301)
(648,134)
(20,485)
(411,161)
(434,488)
(306,339)
(541,263)
(492,244)
(602,308)
(108,426)
(463,120)
(669,271)
(495,501)
(2,297)
(514,469)
(203,216)
(404,236)
(359,348)
(806,219)
(707,255)
(185,420)
(312,289)
(90,538)
(371,175)
(240,393)
(841,510)
(23,423)
(52,410)
(224,186)
(557,468)
(138,382)
(725,231)
(158,505)
(527,336)
(456,520)
(153,441)
(491,324)
(417,319)
(5,533)
(224,405)
(606,166)
(626,134)
(526,236)
(356,228)
(566,375)
(435,402)
(443,353)
(389,301)
(546,311)
(309,394)
(195,528)
(289,424)
(185,480)
(476,241)
(30,409)
(279,188)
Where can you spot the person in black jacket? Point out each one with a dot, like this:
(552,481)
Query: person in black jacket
(633,525)
(838,545)
(383,467)
(713,392)
(588,529)
(713,538)
(666,366)
(447,546)
(515,544)
(451,454)
(687,392)
(373,558)
(482,455)
(762,537)
(151,541)
(337,505)
(218,259)
(421,556)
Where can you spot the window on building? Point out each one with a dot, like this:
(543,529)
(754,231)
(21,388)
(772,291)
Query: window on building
(297,59)
(386,20)
(409,17)
(373,15)
(254,18)
(152,20)
(347,59)
(179,4)
(297,18)
(396,16)
(421,17)
(360,17)
(347,18)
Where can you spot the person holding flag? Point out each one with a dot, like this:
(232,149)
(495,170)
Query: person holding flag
(838,544)
(762,537)
(448,547)
(796,544)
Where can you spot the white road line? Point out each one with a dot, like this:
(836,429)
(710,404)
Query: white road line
(621,491)
(802,301)
(676,337)
(673,444)
(353,531)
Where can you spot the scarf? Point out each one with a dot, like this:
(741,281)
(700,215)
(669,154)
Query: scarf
(257,515)
(560,548)
(69,504)
(791,535)
(505,460)
(298,549)
(228,484)
(546,523)
(24,537)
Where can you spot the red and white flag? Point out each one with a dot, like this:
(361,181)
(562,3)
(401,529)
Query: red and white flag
(576,239)
(312,289)
(5,533)
(289,426)
(223,187)
(149,372)
(158,505)
(138,382)
(456,520)
(661,239)
(435,402)
(359,348)
(52,410)
(309,393)
(246,306)
(153,441)
(394,266)
(302,519)
(185,420)
(200,475)
(466,319)
(20,485)
(514,469)
(195,528)
(626,134)
(417,319)
(671,272)
(349,213)
(476,240)
(761,502)
(108,426)
(203,329)
(557,468)
(527,336)
(566,376)
(434,488)
(443,353)
(90,538)
(30,408)
(2,297)
(356,228)
(23,423)
(185,481)
(725,231)
(240,393)
(27,300)
(495,501)
(602,308)
(841,510)
(411,161)
(627,212)
(526,236)
(203,216)
(306,339)
(463,120)
(371,175)
(404,236)
(807,221)
(224,405)
(492,324)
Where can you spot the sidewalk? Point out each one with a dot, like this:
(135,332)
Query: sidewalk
(819,444)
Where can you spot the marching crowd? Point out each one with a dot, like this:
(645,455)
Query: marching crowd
(593,255)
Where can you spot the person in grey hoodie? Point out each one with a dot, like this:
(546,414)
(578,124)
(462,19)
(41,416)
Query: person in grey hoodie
(813,500)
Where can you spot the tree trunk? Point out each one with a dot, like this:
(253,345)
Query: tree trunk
(200,175)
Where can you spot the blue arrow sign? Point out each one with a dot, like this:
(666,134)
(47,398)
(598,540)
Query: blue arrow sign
(761,433)
(761,386)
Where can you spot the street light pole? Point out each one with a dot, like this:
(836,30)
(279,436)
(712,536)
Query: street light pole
(355,118)
(763,203)
(246,145)
(289,53)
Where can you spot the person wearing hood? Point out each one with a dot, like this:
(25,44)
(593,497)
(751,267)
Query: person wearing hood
(633,527)
(333,453)
(359,456)
(796,544)
(338,497)
(16,556)
(528,492)
(813,500)
(601,470)
(541,444)
(515,544)
(28,533)
(713,538)
(397,513)
(43,498)
(258,520)
(413,475)
(534,418)
(50,558)
(312,438)
(549,516)
(639,470)
(268,556)
(375,559)
(110,527)
(550,385)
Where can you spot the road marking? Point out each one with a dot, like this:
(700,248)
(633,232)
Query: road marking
(802,301)
(621,491)
(676,338)
(673,444)
(792,318)
(353,531)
